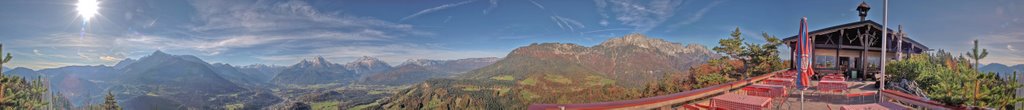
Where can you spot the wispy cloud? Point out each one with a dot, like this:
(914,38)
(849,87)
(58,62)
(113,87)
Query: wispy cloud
(642,16)
(391,53)
(494,4)
(698,15)
(606,30)
(566,23)
(438,8)
(229,16)
(447,19)
(537,4)
(1001,47)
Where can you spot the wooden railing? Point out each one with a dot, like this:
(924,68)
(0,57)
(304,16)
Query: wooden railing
(916,101)
(658,101)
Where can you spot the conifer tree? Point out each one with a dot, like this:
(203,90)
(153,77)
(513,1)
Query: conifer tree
(110,103)
(976,56)
(2,78)
(19,94)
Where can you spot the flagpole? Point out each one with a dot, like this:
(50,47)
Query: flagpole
(885,42)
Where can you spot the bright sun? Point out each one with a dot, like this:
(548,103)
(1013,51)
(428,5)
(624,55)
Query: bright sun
(87,8)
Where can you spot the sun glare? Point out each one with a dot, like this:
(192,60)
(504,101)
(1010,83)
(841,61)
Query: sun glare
(87,8)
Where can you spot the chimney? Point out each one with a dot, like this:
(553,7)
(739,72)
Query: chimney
(863,10)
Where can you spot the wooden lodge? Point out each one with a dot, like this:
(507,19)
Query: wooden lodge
(855,48)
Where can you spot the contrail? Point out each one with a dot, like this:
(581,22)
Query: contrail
(431,10)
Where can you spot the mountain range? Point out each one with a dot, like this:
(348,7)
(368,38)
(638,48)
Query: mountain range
(166,81)
(414,71)
(557,73)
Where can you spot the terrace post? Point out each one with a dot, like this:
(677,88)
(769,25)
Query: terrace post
(885,34)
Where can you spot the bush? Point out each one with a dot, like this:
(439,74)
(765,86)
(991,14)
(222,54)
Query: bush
(955,82)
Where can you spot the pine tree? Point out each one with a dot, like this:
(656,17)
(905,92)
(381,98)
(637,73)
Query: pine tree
(4,60)
(2,78)
(763,57)
(19,94)
(733,48)
(974,54)
(110,103)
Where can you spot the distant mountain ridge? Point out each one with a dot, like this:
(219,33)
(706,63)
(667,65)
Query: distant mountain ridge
(418,70)
(369,70)
(1003,69)
(263,73)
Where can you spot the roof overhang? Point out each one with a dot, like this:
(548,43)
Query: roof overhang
(855,24)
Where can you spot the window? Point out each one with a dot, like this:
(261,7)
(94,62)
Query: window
(824,61)
(874,61)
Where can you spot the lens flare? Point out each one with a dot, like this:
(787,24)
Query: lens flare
(87,8)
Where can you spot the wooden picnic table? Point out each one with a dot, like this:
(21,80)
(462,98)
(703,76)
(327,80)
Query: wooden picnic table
(733,101)
(832,86)
(864,107)
(787,82)
(776,90)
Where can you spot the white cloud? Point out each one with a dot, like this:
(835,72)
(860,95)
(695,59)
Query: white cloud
(603,22)
(1010,47)
(109,58)
(438,8)
(36,51)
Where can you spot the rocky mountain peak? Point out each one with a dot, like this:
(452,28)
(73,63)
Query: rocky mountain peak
(367,60)
(318,61)
(642,41)
(639,40)
(158,54)
(367,64)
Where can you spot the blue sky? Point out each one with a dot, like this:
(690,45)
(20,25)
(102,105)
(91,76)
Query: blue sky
(47,33)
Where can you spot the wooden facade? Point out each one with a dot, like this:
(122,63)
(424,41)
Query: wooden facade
(855,47)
